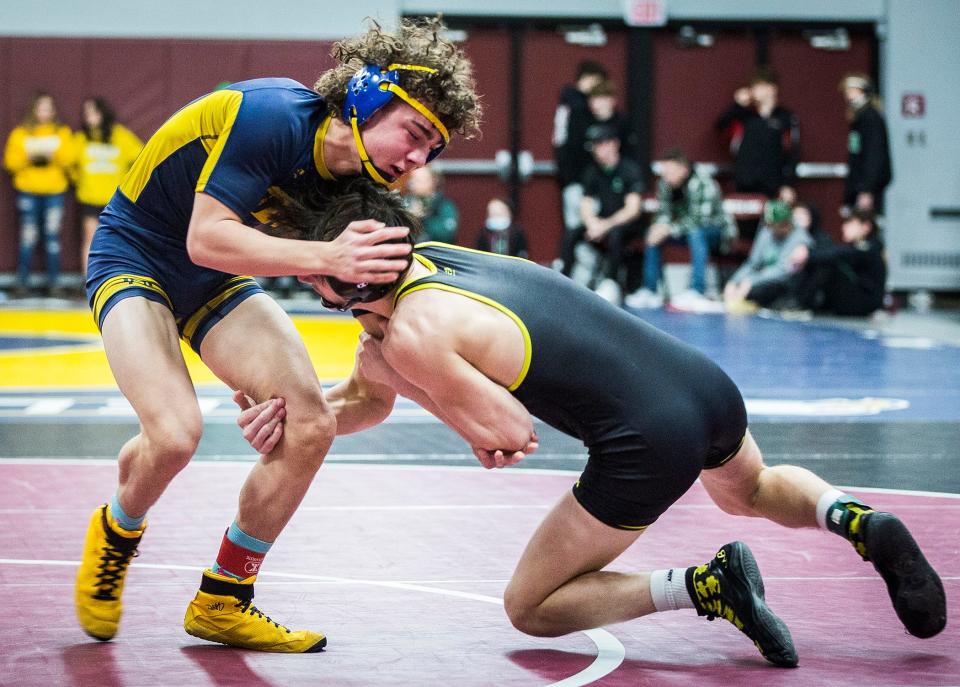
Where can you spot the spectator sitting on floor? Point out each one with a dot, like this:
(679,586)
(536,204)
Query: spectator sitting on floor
(500,234)
(807,216)
(610,209)
(691,211)
(765,277)
(846,278)
(423,198)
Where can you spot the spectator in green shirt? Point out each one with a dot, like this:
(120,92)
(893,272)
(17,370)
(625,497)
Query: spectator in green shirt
(423,198)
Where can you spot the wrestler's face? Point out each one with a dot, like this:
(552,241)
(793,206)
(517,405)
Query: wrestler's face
(399,139)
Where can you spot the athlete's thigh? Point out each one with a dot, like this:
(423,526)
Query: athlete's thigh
(568,543)
(143,347)
(256,348)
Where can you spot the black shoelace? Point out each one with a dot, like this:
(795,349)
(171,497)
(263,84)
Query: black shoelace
(247,606)
(113,564)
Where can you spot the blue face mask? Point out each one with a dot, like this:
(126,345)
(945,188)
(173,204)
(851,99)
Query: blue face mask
(497,223)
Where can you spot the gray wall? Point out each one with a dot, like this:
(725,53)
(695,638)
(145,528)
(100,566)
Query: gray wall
(286,19)
(753,10)
(922,55)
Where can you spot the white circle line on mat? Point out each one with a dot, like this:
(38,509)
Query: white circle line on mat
(610,651)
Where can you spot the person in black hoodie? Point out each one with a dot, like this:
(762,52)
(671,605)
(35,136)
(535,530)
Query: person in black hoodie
(602,101)
(570,123)
(868,147)
(846,278)
(764,139)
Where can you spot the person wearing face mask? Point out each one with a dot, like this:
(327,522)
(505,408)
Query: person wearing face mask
(868,147)
(500,234)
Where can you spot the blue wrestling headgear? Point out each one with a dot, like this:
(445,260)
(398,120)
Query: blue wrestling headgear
(370,89)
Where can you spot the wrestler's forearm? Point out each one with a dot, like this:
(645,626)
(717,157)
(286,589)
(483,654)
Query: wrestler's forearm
(232,247)
(358,407)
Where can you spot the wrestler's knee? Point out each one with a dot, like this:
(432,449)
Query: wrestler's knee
(173,441)
(310,428)
(525,613)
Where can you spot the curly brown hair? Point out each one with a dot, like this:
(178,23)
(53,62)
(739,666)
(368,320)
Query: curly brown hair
(450,93)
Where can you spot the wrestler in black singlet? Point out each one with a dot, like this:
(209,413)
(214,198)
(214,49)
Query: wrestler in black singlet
(652,410)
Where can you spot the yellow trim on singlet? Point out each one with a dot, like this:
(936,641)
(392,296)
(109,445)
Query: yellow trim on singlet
(229,288)
(208,119)
(426,262)
(318,158)
(114,285)
(729,457)
(635,528)
(527,346)
(441,244)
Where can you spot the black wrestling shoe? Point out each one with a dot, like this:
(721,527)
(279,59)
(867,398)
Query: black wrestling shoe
(914,586)
(730,587)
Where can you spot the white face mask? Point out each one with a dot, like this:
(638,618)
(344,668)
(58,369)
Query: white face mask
(497,223)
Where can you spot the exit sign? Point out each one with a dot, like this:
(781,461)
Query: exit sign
(645,12)
(912,105)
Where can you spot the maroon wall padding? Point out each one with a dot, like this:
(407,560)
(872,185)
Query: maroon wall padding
(808,86)
(549,63)
(146,81)
(489,49)
(692,86)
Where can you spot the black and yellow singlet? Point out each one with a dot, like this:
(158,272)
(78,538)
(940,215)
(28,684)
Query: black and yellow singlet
(652,410)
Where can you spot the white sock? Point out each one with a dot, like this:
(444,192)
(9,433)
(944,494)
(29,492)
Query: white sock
(668,589)
(823,505)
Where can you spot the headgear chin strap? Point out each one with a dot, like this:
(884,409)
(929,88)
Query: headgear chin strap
(369,90)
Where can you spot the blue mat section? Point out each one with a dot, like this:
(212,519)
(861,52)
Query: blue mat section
(788,372)
(14,343)
(779,359)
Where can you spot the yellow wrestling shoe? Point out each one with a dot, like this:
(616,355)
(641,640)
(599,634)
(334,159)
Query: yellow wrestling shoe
(107,551)
(223,611)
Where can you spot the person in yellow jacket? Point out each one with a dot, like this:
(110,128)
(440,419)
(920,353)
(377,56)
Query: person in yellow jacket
(105,151)
(38,155)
